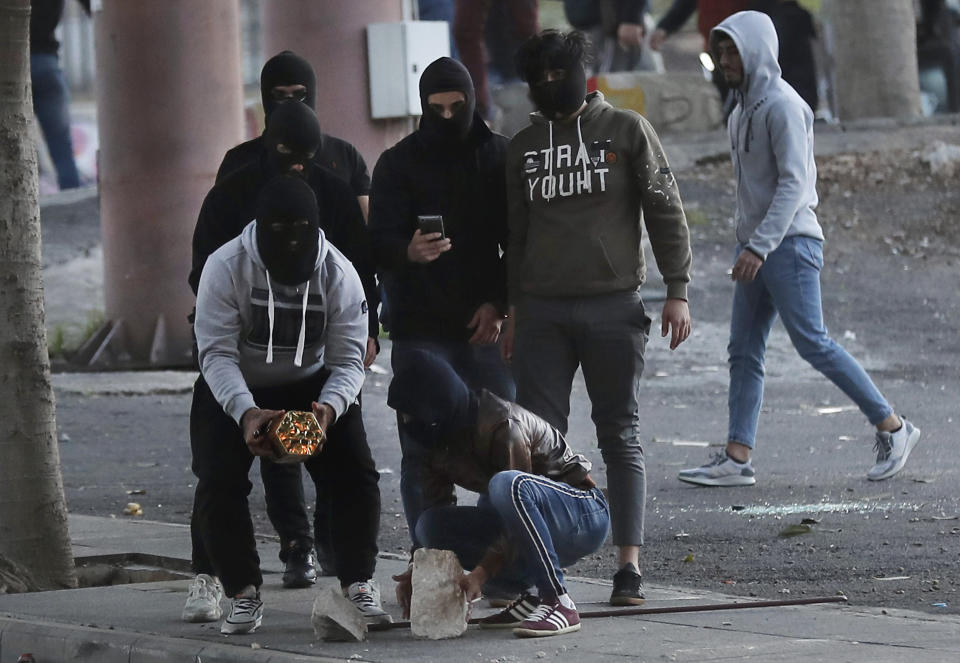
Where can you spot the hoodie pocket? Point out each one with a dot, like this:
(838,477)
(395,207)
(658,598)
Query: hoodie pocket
(607,257)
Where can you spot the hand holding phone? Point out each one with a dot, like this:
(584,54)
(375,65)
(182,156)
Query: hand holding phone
(425,246)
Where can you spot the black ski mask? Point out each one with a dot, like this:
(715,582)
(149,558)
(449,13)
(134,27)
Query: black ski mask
(294,126)
(428,391)
(560,98)
(286,68)
(447,75)
(288,229)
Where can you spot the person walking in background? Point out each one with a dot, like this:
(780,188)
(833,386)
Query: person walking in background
(469,21)
(582,181)
(51,97)
(779,255)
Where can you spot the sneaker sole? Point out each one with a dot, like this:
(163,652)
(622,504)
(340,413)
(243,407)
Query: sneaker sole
(378,619)
(201,618)
(535,633)
(724,482)
(911,443)
(500,626)
(239,629)
(626,600)
(299,583)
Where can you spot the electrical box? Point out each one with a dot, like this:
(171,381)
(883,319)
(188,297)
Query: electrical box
(397,54)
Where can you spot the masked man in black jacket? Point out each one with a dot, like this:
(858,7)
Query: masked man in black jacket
(437,229)
(289,145)
(287,76)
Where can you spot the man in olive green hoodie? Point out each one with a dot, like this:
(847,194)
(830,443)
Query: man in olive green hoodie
(582,180)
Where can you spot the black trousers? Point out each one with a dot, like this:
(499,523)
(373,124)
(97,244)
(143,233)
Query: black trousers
(222,529)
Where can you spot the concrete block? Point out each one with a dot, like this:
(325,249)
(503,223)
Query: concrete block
(335,618)
(438,608)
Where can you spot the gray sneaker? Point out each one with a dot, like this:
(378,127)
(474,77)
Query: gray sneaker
(203,600)
(366,596)
(246,613)
(720,471)
(893,449)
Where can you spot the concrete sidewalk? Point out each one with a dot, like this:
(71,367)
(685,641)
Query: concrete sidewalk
(139,623)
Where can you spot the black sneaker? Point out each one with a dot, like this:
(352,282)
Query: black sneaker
(627,587)
(300,569)
(514,614)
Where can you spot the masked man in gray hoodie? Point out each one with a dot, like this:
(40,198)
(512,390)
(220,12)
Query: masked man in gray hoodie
(281,325)
(779,255)
(583,180)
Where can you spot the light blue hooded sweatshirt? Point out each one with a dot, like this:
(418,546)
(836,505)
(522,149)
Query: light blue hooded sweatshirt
(771,141)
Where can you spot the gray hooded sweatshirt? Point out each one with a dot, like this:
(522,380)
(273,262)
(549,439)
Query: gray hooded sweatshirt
(253,332)
(771,142)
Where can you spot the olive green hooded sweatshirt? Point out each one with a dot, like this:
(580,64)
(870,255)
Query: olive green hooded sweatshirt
(579,194)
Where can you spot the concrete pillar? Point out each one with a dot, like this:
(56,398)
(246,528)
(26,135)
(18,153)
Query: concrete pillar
(332,36)
(874,47)
(169,104)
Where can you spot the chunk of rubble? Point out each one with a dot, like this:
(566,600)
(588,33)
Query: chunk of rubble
(438,608)
(335,618)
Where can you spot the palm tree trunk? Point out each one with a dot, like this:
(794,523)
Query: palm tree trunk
(33,513)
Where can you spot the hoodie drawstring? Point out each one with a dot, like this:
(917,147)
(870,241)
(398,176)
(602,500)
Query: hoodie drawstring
(582,155)
(269,318)
(298,358)
(552,186)
(302,339)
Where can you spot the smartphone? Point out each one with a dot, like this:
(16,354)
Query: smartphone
(431,224)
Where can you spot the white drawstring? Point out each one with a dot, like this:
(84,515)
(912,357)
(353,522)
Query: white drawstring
(298,359)
(270,318)
(551,184)
(582,155)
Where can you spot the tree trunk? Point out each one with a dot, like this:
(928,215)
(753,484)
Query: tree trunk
(874,44)
(33,513)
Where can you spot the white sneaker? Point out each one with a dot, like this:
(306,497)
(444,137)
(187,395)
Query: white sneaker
(246,613)
(720,471)
(366,596)
(893,449)
(203,600)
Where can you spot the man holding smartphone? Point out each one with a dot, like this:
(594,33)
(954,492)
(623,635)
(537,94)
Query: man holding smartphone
(437,228)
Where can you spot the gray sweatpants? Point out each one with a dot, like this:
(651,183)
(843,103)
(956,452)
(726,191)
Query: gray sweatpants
(606,336)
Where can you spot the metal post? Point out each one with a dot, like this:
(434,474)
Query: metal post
(332,36)
(169,104)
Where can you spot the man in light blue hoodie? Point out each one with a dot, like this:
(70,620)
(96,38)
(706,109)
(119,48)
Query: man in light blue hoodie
(281,325)
(779,255)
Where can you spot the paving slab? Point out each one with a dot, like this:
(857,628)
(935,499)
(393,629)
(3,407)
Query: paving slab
(140,622)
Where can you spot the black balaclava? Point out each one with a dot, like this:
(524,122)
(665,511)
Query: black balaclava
(447,75)
(286,68)
(428,391)
(287,245)
(296,126)
(557,99)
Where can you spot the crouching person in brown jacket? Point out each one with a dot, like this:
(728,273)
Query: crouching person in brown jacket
(538,508)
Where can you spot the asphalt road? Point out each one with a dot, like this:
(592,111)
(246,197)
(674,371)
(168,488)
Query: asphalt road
(893,543)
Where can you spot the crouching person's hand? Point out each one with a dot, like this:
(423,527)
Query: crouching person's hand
(405,589)
(254,424)
(472,583)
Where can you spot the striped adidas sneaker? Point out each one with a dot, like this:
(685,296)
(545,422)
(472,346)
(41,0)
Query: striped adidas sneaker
(549,619)
(514,614)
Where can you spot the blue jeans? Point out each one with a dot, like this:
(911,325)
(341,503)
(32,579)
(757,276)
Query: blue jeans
(51,104)
(549,524)
(605,335)
(788,284)
(480,367)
